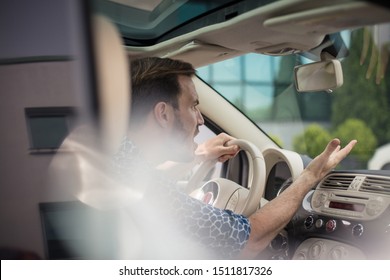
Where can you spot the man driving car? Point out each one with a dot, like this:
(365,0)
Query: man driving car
(165,119)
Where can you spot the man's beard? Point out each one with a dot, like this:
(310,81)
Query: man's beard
(180,142)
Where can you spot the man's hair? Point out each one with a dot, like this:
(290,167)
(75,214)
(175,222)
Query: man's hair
(154,80)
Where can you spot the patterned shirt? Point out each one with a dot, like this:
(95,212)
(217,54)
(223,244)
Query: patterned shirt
(221,231)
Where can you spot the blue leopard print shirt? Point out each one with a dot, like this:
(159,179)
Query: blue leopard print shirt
(221,231)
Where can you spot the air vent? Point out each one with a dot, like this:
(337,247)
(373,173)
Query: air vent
(337,182)
(376,184)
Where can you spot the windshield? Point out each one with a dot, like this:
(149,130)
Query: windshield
(262,87)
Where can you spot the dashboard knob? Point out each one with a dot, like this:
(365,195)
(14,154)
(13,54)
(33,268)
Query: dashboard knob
(357,230)
(331,225)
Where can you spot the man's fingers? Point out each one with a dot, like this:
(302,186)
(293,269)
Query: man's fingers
(332,147)
(228,153)
(340,154)
(347,149)
(224,158)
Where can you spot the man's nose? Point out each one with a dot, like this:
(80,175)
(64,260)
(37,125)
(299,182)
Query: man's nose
(200,118)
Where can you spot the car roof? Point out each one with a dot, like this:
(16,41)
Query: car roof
(204,31)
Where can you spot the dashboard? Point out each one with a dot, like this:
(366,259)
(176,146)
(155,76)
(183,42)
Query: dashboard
(344,216)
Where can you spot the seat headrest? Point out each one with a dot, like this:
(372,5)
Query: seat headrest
(113,82)
(82,167)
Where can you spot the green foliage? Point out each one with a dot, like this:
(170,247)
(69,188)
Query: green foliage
(312,141)
(360,96)
(357,129)
(315,138)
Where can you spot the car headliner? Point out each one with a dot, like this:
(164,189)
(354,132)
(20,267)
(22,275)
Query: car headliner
(276,28)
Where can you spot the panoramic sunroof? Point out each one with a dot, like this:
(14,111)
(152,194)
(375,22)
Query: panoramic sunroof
(144,23)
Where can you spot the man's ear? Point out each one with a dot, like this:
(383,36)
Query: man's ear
(163,114)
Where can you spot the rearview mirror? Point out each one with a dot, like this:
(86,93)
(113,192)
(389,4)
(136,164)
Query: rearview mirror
(318,76)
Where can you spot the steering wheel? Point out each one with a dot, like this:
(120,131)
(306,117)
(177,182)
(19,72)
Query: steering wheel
(226,194)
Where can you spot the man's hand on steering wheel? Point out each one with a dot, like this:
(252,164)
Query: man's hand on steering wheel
(217,148)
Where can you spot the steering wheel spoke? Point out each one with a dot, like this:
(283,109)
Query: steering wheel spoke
(226,194)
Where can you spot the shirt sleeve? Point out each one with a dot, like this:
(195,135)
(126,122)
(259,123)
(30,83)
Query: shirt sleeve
(221,231)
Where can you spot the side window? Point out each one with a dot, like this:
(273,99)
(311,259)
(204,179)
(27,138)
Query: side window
(48,127)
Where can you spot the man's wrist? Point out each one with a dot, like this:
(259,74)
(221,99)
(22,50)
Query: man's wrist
(198,159)
(309,177)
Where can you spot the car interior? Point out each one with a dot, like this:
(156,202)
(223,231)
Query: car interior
(49,196)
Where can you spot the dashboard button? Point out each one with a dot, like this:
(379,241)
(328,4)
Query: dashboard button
(319,223)
(331,225)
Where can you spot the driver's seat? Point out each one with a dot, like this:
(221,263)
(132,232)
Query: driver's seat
(80,170)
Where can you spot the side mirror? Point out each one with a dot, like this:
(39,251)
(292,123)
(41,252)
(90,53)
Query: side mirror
(319,76)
